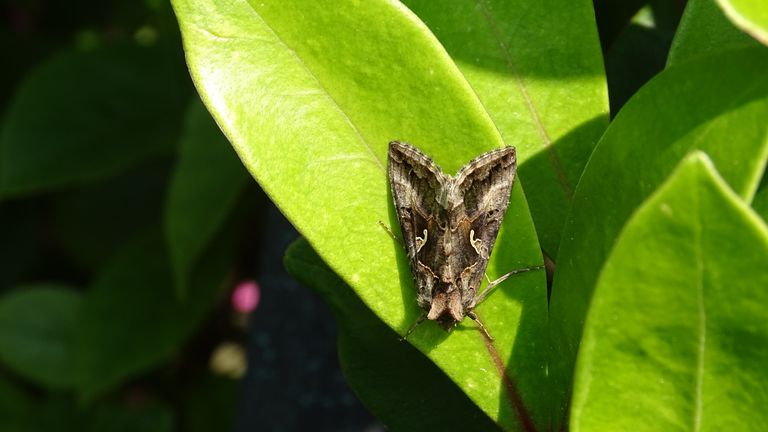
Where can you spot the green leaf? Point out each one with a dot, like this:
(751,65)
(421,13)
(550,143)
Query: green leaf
(637,55)
(142,417)
(760,202)
(206,184)
(378,365)
(613,17)
(310,96)
(705,30)
(211,404)
(82,116)
(131,320)
(60,412)
(17,407)
(37,333)
(682,300)
(552,107)
(750,15)
(718,104)
(94,221)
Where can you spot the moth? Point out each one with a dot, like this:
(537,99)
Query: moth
(449,225)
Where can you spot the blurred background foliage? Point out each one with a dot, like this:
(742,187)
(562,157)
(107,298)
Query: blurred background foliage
(127,221)
(127,224)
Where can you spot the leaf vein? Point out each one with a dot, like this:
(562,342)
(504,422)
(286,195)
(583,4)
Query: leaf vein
(702,321)
(545,138)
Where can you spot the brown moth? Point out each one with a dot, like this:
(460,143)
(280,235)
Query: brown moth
(449,226)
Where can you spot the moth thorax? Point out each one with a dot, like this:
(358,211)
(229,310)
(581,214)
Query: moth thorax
(442,198)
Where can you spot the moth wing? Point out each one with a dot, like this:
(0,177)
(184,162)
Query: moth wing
(415,181)
(485,184)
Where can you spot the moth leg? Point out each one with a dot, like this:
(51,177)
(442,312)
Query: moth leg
(492,284)
(421,319)
(476,319)
(392,234)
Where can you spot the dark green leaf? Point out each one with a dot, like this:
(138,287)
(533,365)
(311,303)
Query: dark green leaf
(613,17)
(17,407)
(705,30)
(760,202)
(94,221)
(718,104)
(84,116)
(677,333)
(37,331)
(210,404)
(637,55)
(206,184)
(142,417)
(131,319)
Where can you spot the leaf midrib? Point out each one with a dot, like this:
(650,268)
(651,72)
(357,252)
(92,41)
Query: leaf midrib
(546,141)
(702,313)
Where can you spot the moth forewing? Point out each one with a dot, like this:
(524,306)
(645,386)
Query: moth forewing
(449,225)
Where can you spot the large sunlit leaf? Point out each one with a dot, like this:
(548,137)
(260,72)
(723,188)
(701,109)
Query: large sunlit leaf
(749,15)
(82,116)
(677,333)
(37,334)
(310,95)
(703,30)
(552,107)
(716,103)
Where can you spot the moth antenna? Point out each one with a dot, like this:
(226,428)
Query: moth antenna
(492,285)
(480,324)
(392,234)
(421,319)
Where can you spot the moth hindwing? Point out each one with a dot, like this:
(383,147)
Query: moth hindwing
(449,225)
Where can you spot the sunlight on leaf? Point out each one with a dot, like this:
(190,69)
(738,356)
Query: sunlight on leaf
(677,333)
(310,96)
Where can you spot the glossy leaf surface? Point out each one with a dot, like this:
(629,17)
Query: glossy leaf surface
(538,70)
(749,15)
(695,105)
(677,333)
(704,30)
(310,96)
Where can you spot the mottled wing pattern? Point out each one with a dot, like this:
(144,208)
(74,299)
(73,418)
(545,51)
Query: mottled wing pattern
(415,182)
(484,184)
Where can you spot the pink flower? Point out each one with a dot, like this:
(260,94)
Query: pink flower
(246,296)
